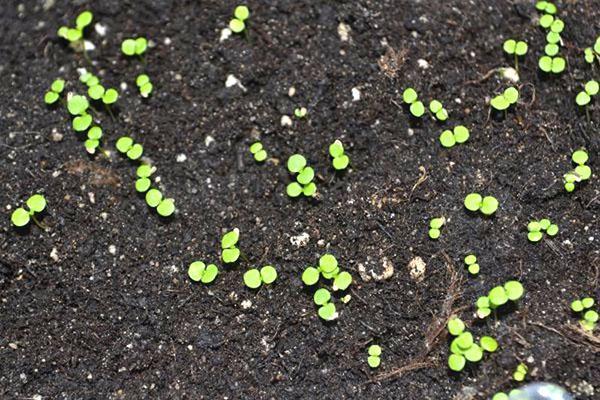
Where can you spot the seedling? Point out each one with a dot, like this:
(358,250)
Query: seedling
(520,373)
(410,97)
(438,110)
(516,49)
(253,278)
(229,252)
(463,347)
(134,47)
(460,134)
(200,272)
(21,217)
(259,153)
(92,143)
(300,112)
(164,207)
(584,97)
(498,296)
(546,6)
(486,205)
(555,65)
(340,160)
(304,179)
(77,106)
(143,172)
(471,262)
(582,172)
(75,35)
(55,91)
(144,85)
(535,229)
(238,23)
(374,359)
(127,146)
(593,53)
(329,269)
(503,101)
(589,318)
(322,298)
(435,226)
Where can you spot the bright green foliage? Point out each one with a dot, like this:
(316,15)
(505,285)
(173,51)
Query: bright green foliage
(300,112)
(153,197)
(253,278)
(500,396)
(582,171)
(513,47)
(94,135)
(134,47)
(268,274)
(342,281)
(82,122)
(498,296)
(200,272)
(329,269)
(259,153)
(409,96)
(21,217)
(438,110)
(241,15)
(546,6)
(471,262)
(374,359)
(144,85)
(77,105)
(435,226)
(555,65)
(486,205)
(127,146)
(535,229)
(460,134)
(590,90)
(520,373)
(456,326)
(321,296)
(503,101)
(463,347)
(75,35)
(296,164)
(310,276)
(488,344)
(340,160)
(230,253)
(166,208)
(56,89)
(110,96)
(327,312)
(589,318)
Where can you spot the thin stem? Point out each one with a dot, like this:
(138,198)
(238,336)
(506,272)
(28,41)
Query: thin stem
(38,223)
(110,112)
(517,63)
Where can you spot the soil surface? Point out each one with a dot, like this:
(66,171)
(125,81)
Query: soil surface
(99,306)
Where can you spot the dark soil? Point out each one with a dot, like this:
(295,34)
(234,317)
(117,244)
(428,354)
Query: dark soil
(79,322)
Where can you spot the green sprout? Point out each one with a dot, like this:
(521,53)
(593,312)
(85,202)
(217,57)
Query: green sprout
(535,229)
(134,47)
(328,312)
(322,298)
(253,278)
(438,110)
(53,94)
(374,359)
(92,143)
(340,160)
(304,184)
(143,172)
(75,35)
(589,318)
(300,112)
(582,172)
(21,217)
(556,65)
(520,373)
(200,272)
(409,96)
(238,23)
(584,97)
(144,85)
(310,276)
(515,48)
(592,53)
(463,347)
(498,296)
(486,205)
(164,207)
(77,106)
(435,225)
(259,153)
(503,101)
(546,6)
(471,262)
(127,146)
(460,134)
(230,253)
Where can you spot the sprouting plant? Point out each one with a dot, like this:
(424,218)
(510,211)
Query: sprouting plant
(503,101)
(200,272)
(75,35)
(229,252)
(21,217)
(327,310)
(55,91)
(300,112)
(435,225)
(582,172)
(535,229)
(556,65)
(498,296)
(77,106)
(471,262)
(475,202)
(143,183)
(259,153)
(520,373)
(584,97)
(253,278)
(592,53)
(589,317)
(463,347)
(437,109)
(164,207)
(460,134)
(94,134)
(144,85)
(127,146)
(410,96)
(238,23)
(340,160)
(546,6)
(374,359)
(98,92)
(516,48)
(304,179)
(134,47)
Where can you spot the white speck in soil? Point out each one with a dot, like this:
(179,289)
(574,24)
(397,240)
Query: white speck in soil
(416,269)
(89,46)
(355,94)
(291,91)
(509,74)
(286,120)
(300,240)
(167,41)
(112,249)
(423,64)
(54,254)
(233,81)
(181,158)
(344,32)
(246,304)
(123,86)
(208,140)
(225,34)
(100,29)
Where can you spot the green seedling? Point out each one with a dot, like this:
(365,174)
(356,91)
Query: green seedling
(328,269)
(200,272)
(304,184)
(322,298)
(238,23)
(516,49)
(300,112)
(498,296)
(582,171)
(229,251)
(164,207)
(259,153)
(435,226)
(438,110)
(589,318)
(555,65)
(340,160)
(77,106)
(520,373)
(486,205)
(546,7)
(374,359)
(460,134)
(503,101)
(127,146)
(584,97)
(410,97)
(94,134)
(55,91)
(472,266)
(75,35)
(463,347)
(143,182)
(21,217)
(144,85)
(592,53)
(253,278)
(134,47)
(535,229)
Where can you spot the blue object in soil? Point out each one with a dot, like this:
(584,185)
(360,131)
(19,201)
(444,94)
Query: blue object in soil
(541,391)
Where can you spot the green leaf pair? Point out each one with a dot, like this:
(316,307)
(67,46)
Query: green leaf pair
(304,184)
(340,160)
(21,217)
(229,252)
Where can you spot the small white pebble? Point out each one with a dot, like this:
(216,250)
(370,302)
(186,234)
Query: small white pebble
(208,140)
(89,46)
(181,158)
(92,197)
(167,41)
(291,91)
(343,31)
(301,240)
(510,74)
(423,63)
(246,304)
(112,249)
(123,86)
(355,94)
(225,34)
(54,254)
(100,29)
(286,120)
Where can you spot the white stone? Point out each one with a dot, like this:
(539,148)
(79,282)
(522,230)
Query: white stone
(355,94)
(225,34)
(100,29)
(286,120)
(510,74)
(344,32)
(423,63)
(181,158)
(300,240)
